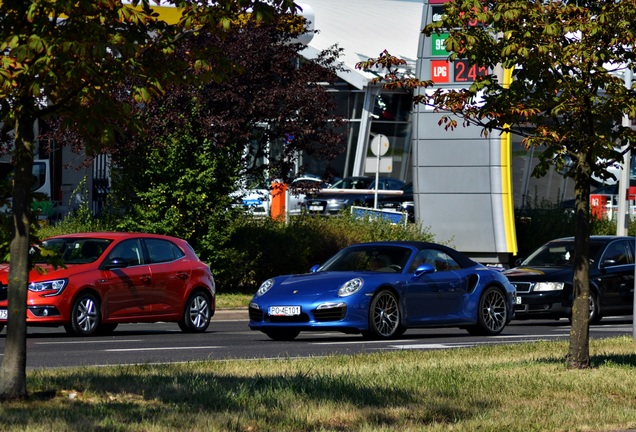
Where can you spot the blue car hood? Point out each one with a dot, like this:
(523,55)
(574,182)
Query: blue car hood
(321,282)
(540,273)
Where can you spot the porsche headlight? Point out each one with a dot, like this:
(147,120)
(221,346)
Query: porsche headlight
(548,286)
(265,286)
(49,288)
(350,287)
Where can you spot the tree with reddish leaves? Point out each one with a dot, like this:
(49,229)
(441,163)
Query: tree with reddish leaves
(202,142)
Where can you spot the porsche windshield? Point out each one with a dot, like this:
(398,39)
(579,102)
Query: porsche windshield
(369,258)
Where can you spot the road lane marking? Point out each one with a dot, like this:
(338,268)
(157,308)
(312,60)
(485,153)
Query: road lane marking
(161,348)
(91,341)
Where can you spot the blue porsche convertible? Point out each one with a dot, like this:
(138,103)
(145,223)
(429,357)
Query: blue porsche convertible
(381,289)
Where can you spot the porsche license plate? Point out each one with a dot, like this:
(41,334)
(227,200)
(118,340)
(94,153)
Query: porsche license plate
(284,310)
(3,314)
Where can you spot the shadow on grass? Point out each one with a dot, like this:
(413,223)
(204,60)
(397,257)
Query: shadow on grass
(162,393)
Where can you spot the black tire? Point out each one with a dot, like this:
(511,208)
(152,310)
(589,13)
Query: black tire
(106,329)
(196,314)
(492,313)
(282,334)
(595,312)
(85,316)
(384,316)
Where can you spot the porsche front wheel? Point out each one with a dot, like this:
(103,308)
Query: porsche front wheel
(384,316)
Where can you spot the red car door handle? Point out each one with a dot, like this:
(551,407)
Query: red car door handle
(182,275)
(145,278)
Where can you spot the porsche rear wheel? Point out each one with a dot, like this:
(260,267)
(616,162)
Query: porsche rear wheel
(492,313)
(282,334)
(384,316)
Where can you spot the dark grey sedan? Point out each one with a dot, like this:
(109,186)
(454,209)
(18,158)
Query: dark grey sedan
(347,192)
(544,280)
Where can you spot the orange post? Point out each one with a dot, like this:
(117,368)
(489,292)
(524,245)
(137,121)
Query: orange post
(278,207)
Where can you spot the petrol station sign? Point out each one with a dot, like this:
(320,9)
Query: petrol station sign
(443,71)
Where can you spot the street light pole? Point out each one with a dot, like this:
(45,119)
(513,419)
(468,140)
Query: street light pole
(622,216)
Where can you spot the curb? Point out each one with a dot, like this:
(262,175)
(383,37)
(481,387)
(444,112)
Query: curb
(238,314)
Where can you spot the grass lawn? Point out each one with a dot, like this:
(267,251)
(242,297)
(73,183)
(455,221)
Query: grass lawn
(232,301)
(516,387)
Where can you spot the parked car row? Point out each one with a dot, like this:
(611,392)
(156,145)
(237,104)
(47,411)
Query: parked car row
(91,282)
(311,194)
(258,200)
(350,191)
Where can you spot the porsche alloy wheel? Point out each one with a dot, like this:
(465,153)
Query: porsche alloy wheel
(492,314)
(197,314)
(384,316)
(85,316)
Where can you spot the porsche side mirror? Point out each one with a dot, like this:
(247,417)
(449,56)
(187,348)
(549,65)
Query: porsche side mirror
(423,269)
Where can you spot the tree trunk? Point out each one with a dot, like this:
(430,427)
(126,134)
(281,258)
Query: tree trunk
(13,377)
(579,353)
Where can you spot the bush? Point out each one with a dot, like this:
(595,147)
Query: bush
(258,249)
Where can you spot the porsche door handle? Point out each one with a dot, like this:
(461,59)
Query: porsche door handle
(182,275)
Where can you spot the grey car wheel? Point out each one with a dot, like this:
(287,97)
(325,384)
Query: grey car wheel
(492,313)
(85,315)
(197,313)
(384,316)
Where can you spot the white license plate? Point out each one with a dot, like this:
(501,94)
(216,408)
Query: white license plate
(3,314)
(315,208)
(284,310)
(518,301)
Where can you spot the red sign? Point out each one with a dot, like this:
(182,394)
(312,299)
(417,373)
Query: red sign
(440,71)
(465,72)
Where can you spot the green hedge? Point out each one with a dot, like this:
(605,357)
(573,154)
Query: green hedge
(258,249)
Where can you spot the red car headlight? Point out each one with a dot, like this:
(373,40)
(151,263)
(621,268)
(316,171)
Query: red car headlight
(49,288)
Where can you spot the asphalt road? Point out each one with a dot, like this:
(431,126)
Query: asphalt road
(229,337)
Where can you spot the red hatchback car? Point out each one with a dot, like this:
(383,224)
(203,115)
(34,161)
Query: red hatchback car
(112,277)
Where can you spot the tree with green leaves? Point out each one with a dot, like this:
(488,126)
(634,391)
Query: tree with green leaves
(567,95)
(64,59)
